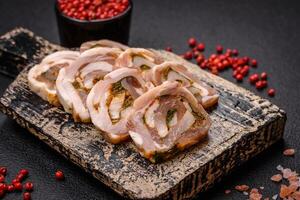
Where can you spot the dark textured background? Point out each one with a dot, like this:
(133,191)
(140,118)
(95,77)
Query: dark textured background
(266,30)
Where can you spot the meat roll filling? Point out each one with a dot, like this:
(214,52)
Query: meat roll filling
(74,83)
(42,77)
(110,102)
(174,71)
(167,119)
(138,58)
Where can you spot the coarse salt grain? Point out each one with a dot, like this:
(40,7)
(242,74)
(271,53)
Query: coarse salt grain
(289,152)
(276,178)
(242,188)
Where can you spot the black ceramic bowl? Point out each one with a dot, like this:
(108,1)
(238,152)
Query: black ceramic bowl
(74,32)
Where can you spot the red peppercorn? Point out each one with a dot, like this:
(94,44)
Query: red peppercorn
(10,188)
(2,178)
(18,186)
(229,52)
(264,76)
(219,49)
(253,78)
(235,52)
(24,172)
(239,77)
(26,196)
(264,83)
(3,171)
(201,46)
(259,85)
(192,42)
(20,177)
(3,186)
(246,59)
(59,175)
(235,73)
(15,181)
(188,55)
(200,59)
(203,65)
(28,186)
(169,49)
(226,63)
(271,92)
(95,9)
(254,63)
(196,53)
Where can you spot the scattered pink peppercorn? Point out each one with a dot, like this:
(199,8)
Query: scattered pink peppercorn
(271,92)
(192,42)
(239,77)
(188,55)
(264,75)
(3,171)
(28,186)
(26,196)
(18,186)
(2,178)
(259,85)
(235,52)
(219,49)
(253,78)
(59,175)
(200,59)
(24,172)
(201,46)
(3,186)
(10,188)
(253,63)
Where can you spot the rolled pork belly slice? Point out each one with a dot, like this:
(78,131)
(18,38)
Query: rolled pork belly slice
(165,120)
(102,43)
(74,82)
(110,102)
(42,77)
(139,58)
(176,71)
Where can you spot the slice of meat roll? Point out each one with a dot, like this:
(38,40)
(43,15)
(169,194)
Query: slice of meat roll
(74,83)
(110,102)
(175,71)
(102,43)
(42,77)
(167,119)
(139,58)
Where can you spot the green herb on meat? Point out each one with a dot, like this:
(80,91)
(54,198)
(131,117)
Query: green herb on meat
(128,102)
(198,116)
(117,88)
(145,67)
(170,115)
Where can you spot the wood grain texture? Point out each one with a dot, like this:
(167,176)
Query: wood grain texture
(243,126)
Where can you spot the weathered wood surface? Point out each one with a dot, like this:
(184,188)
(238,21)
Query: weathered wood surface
(243,126)
(20,47)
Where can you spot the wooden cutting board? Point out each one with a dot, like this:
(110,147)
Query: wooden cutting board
(243,126)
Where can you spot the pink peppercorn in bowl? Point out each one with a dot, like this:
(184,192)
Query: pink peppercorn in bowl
(87,20)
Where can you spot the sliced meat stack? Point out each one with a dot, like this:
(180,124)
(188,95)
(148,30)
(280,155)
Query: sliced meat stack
(128,93)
